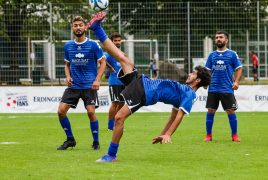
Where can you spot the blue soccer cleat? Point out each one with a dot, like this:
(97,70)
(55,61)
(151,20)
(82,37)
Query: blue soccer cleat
(96,21)
(107,158)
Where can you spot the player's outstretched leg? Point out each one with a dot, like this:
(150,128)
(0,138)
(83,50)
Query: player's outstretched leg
(95,25)
(117,134)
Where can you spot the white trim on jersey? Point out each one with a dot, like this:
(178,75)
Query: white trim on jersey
(175,108)
(66,60)
(80,42)
(222,51)
(239,67)
(102,57)
(184,110)
(208,68)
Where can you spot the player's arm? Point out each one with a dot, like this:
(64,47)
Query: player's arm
(170,127)
(96,83)
(237,79)
(238,66)
(68,74)
(148,68)
(110,68)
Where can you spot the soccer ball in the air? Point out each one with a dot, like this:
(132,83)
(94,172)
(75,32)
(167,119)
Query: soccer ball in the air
(98,5)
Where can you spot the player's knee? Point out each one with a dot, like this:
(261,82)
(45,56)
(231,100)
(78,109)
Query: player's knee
(118,120)
(90,114)
(61,113)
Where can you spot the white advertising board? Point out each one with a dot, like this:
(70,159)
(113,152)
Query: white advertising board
(47,99)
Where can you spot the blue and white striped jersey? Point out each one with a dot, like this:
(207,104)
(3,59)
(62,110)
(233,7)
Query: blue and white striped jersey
(222,65)
(83,59)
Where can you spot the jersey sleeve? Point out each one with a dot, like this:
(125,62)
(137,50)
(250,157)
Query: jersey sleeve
(236,62)
(66,53)
(209,62)
(98,51)
(108,59)
(186,105)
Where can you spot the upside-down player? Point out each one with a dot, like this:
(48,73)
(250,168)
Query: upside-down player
(142,91)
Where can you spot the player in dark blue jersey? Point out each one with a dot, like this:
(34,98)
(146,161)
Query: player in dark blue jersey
(115,85)
(222,63)
(142,91)
(83,80)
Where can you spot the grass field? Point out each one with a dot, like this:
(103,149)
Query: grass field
(188,157)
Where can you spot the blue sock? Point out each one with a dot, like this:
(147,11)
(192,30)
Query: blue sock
(65,124)
(113,149)
(100,33)
(233,123)
(111,124)
(209,122)
(95,130)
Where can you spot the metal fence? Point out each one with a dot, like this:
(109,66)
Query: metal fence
(179,35)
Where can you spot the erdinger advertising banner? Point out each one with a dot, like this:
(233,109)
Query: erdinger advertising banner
(47,99)
(260,98)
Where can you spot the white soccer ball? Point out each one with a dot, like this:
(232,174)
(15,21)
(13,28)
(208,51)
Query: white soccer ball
(98,5)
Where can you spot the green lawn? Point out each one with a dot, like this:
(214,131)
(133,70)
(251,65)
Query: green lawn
(188,157)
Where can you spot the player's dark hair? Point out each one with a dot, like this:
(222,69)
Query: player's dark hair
(115,35)
(205,76)
(252,52)
(223,32)
(78,18)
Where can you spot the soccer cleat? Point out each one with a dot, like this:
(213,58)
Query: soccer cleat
(96,21)
(235,138)
(110,129)
(67,144)
(208,137)
(107,158)
(96,145)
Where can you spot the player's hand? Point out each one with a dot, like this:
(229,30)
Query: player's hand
(69,81)
(165,139)
(111,69)
(96,85)
(157,140)
(146,69)
(235,86)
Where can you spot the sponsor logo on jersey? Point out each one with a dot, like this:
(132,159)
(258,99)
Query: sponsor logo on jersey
(220,62)
(92,101)
(79,55)
(129,101)
(79,48)
(220,55)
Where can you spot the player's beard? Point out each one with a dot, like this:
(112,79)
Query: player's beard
(220,45)
(79,35)
(118,45)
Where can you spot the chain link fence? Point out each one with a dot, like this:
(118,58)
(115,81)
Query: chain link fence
(178,35)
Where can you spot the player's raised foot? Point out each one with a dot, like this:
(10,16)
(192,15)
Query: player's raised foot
(208,137)
(107,158)
(235,138)
(96,21)
(96,145)
(110,129)
(66,144)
